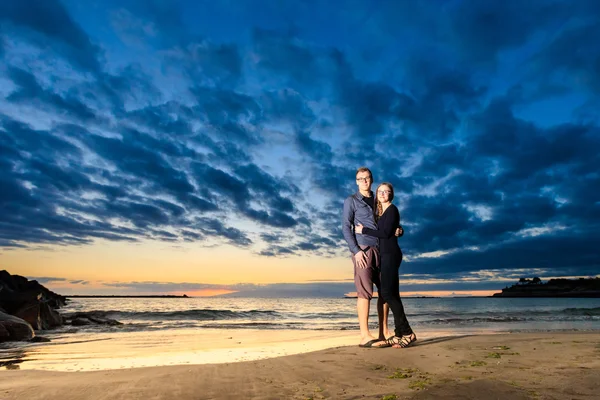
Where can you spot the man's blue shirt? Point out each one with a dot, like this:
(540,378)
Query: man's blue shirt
(357,211)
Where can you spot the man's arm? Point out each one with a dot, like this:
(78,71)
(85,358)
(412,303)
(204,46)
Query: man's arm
(389,228)
(347,223)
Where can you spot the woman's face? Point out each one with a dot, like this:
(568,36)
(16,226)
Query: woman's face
(384,193)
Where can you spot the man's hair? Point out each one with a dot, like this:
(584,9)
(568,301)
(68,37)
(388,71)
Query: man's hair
(364,169)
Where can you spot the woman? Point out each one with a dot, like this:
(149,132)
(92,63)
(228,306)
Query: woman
(388,218)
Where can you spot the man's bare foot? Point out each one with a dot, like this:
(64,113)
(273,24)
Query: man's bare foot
(386,335)
(374,343)
(366,339)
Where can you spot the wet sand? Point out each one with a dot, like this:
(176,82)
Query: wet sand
(503,366)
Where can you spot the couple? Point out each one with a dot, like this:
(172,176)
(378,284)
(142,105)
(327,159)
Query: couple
(371,227)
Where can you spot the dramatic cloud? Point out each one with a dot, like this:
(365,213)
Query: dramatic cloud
(168,122)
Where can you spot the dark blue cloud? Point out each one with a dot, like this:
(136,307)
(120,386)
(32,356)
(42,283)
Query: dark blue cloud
(216,227)
(483,29)
(31,91)
(47,23)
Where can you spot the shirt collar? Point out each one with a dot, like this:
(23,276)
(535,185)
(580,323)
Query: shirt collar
(360,196)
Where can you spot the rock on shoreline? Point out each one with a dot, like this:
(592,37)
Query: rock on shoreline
(27,306)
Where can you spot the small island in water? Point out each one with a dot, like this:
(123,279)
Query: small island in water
(582,287)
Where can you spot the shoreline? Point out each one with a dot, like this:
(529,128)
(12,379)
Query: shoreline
(82,352)
(507,365)
(102,351)
(96,351)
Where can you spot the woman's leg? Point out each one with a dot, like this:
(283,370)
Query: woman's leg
(390,289)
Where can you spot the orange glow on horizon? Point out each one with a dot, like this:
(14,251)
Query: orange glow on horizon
(206,292)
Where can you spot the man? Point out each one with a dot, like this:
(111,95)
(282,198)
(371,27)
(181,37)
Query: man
(360,209)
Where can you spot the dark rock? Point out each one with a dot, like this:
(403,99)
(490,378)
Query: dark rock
(17,328)
(553,288)
(27,305)
(50,318)
(80,321)
(97,317)
(15,284)
(40,339)
(30,301)
(30,313)
(7,278)
(12,300)
(4,334)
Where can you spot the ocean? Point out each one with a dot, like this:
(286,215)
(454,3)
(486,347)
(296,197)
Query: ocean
(176,331)
(463,315)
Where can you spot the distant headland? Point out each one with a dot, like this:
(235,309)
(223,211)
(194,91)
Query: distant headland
(582,287)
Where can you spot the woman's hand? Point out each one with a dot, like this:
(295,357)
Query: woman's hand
(358,229)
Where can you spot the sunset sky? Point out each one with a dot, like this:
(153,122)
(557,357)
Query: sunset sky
(206,147)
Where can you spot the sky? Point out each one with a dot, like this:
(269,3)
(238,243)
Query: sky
(206,147)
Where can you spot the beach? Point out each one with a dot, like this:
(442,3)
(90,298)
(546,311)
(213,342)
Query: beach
(544,365)
(306,348)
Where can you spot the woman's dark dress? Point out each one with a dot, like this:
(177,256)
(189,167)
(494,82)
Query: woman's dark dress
(391,257)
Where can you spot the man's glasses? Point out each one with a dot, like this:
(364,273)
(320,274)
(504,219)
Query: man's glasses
(363,179)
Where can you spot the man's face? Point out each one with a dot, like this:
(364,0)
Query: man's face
(364,181)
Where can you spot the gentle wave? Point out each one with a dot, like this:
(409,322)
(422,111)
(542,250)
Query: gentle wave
(566,311)
(462,321)
(194,314)
(583,311)
(331,314)
(432,317)
(504,319)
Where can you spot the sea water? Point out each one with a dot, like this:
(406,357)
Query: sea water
(467,314)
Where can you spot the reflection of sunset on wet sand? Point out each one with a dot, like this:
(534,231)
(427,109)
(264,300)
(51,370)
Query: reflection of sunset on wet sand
(86,352)
(507,366)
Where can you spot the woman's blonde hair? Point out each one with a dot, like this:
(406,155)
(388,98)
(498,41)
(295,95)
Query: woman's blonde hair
(379,211)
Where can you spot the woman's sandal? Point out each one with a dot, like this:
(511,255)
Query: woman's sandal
(402,341)
(408,340)
(394,340)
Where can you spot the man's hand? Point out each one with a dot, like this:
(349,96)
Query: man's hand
(399,231)
(358,229)
(361,259)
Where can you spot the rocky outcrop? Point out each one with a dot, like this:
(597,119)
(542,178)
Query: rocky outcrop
(50,318)
(14,328)
(553,288)
(89,318)
(26,306)
(30,312)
